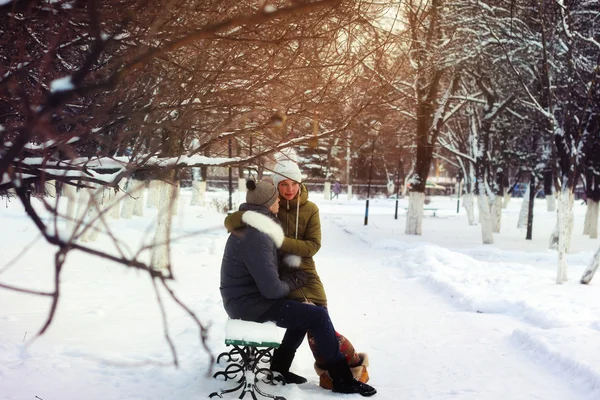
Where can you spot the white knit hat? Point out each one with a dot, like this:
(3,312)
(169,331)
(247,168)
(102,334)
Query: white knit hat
(286,169)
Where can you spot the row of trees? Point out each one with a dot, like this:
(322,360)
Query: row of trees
(97,93)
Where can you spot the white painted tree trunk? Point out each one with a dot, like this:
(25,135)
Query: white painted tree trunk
(565,228)
(198,192)
(175,199)
(589,272)
(496,214)
(469,208)
(586,221)
(161,248)
(593,206)
(50,188)
(524,212)
(153,193)
(327,191)
(242,185)
(138,207)
(83,204)
(349,192)
(391,188)
(94,207)
(241,196)
(485,217)
(133,190)
(70,192)
(551,202)
(414,216)
(114,204)
(198,188)
(506,199)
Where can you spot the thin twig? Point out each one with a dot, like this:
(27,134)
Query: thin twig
(165,322)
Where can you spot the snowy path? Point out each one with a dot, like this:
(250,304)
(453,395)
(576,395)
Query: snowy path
(409,302)
(440,351)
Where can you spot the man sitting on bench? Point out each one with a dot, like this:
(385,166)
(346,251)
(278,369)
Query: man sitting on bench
(252,289)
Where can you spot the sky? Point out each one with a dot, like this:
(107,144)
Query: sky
(441,315)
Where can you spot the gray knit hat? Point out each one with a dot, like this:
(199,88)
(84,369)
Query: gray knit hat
(261,193)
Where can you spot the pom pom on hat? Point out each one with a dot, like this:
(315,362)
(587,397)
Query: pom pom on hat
(260,193)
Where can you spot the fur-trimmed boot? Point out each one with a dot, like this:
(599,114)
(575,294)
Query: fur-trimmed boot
(344,382)
(281,362)
(359,372)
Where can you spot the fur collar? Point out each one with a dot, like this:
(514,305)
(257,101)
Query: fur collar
(266,225)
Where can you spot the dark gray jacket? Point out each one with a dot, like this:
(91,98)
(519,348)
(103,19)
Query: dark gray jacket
(250,282)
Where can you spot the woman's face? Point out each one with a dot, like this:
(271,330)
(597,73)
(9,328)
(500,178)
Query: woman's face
(288,189)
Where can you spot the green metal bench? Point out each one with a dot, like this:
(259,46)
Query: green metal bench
(249,359)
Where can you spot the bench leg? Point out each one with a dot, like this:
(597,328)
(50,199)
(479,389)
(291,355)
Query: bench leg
(244,362)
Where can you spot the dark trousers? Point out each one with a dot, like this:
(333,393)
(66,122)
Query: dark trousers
(298,318)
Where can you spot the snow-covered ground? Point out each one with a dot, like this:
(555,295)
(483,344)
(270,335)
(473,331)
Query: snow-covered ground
(441,315)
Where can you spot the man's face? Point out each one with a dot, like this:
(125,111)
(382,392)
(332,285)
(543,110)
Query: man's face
(288,189)
(275,206)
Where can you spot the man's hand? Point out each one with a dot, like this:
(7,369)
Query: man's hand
(295,279)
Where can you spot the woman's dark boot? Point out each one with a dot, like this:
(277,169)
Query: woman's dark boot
(344,382)
(281,362)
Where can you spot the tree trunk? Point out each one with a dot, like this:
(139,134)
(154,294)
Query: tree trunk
(50,188)
(485,217)
(565,228)
(549,190)
(589,272)
(241,185)
(532,184)
(153,193)
(593,206)
(162,237)
(113,203)
(94,207)
(587,219)
(496,214)
(414,216)
(506,198)
(175,198)
(553,242)
(70,192)
(327,191)
(198,187)
(83,207)
(129,199)
(524,209)
(469,208)
(551,202)
(138,208)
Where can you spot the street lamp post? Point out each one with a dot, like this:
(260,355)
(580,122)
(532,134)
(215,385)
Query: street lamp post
(369,184)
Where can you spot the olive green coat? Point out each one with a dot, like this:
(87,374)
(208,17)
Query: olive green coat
(306,245)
